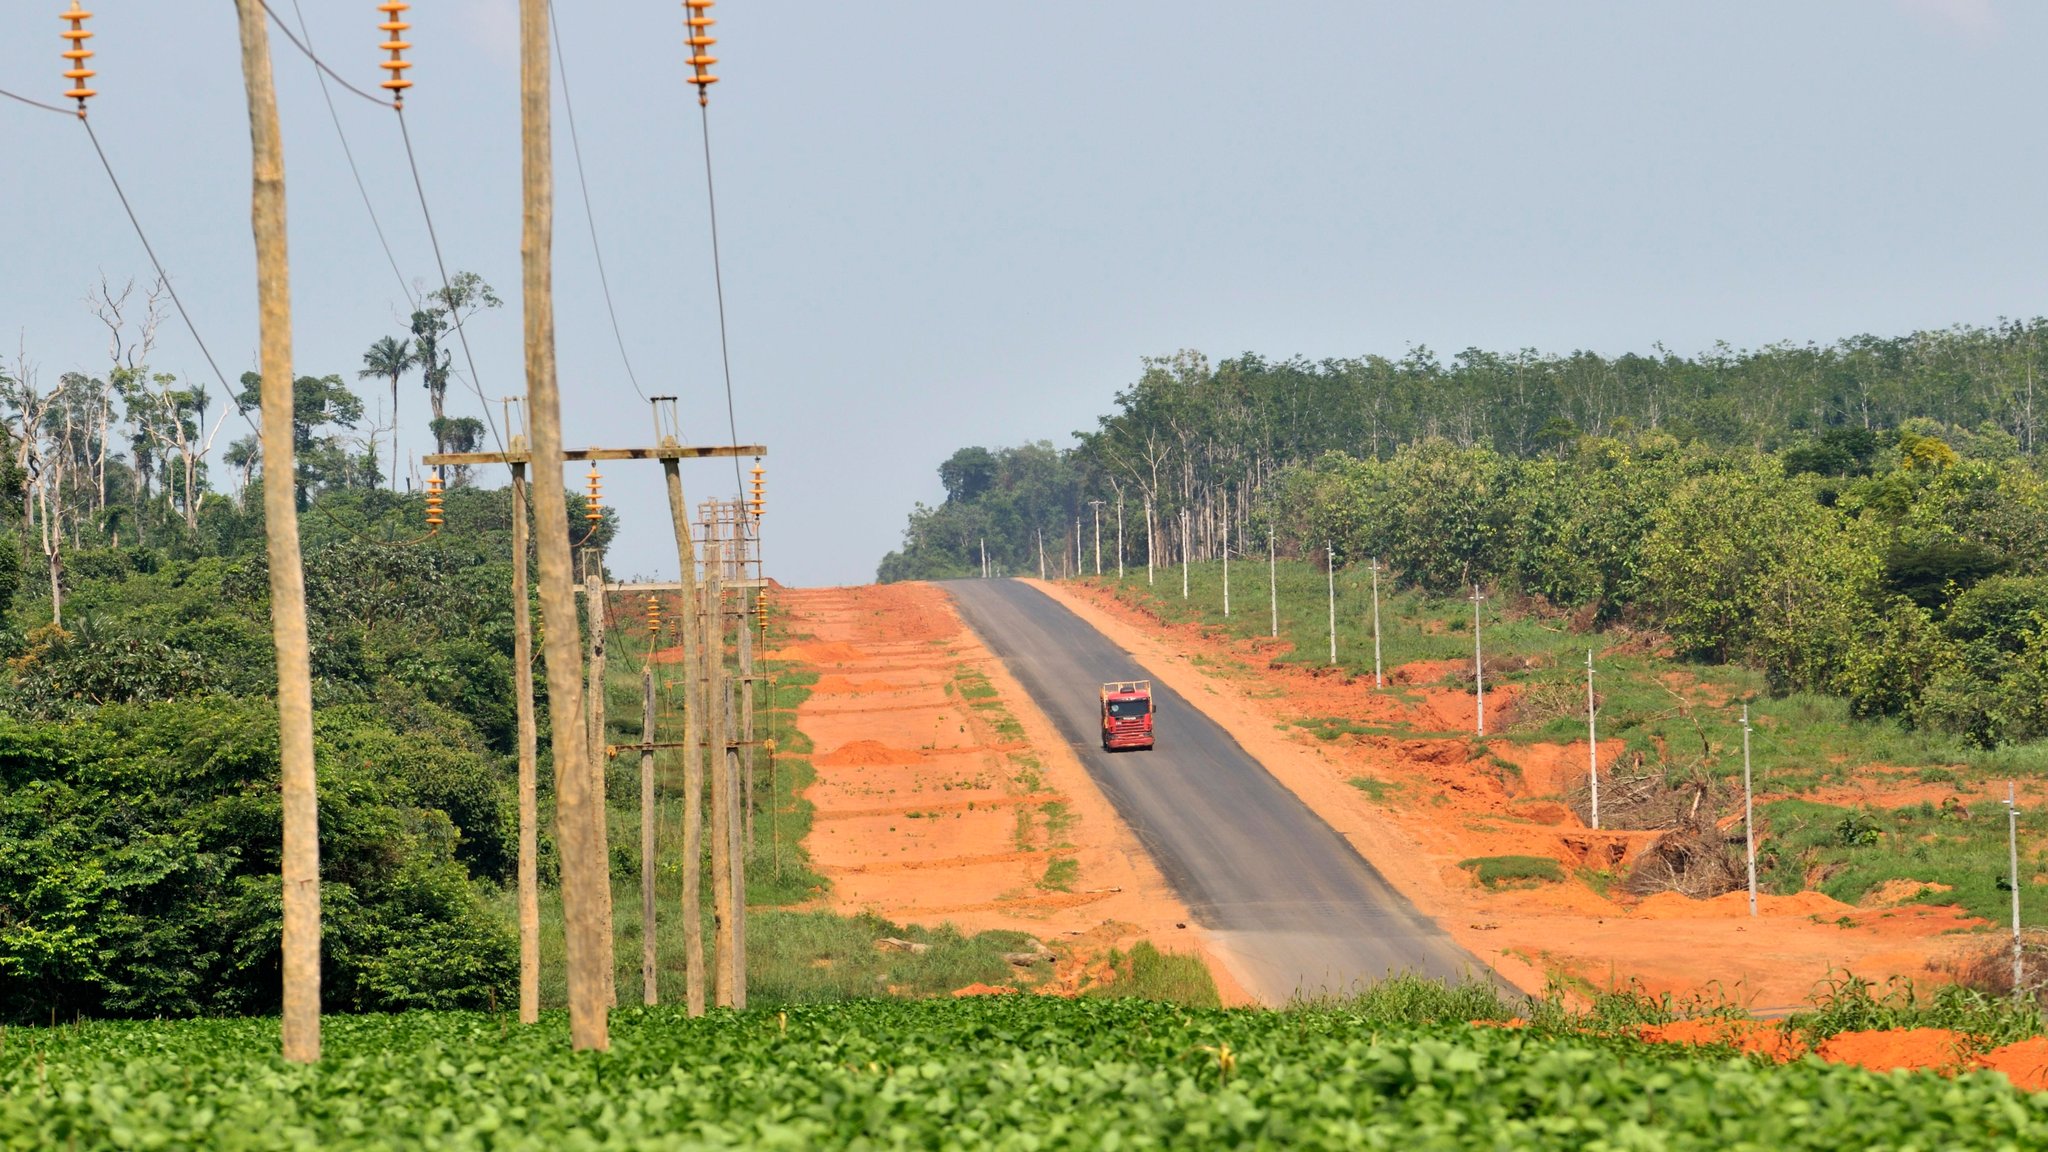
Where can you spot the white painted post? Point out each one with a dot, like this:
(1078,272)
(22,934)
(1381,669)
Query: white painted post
(1226,574)
(1186,551)
(1041,553)
(1148,542)
(1330,562)
(984,559)
(1748,812)
(2012,844)
(1377,681)
(1097,505)
(1119,537)
(1478,665)
(1592,742)
(1273,582)
(1080,567)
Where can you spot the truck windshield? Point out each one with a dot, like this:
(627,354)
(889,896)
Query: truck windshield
(1126,709)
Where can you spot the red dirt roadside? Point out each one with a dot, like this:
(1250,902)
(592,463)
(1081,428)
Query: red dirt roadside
(930,810)
(1427,804)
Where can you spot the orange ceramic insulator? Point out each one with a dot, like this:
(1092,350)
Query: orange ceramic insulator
(758,503)
(394,27)
(434,501)
(653,616)
(594,511)
(78,54)
(700,42)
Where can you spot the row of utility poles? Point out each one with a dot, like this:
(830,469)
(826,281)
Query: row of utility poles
(709,621)
(577,730)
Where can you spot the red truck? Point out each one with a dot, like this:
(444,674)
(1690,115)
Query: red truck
(1126,714)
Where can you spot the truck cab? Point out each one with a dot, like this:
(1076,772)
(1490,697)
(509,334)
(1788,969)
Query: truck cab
(1126,714)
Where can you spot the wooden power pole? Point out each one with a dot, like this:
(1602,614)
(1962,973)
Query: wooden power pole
(529,772)
(300,797)
(724,971)
(583,870)
(648,960)
(693,705)
(597,603)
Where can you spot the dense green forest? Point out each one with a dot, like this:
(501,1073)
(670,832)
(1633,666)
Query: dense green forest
(139,805)
(1867,518)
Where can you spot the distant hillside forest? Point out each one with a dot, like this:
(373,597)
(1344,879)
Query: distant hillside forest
(1867,518)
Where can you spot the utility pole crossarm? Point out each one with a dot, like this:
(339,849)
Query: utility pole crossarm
(662,452)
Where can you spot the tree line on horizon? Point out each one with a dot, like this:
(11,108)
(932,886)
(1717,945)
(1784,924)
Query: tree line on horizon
(1867,518)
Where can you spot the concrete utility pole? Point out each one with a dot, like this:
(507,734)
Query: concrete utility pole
(748,762)
(1748,812)
(1478,664)
(1377,680)
(1273,582)
(1041,553)
(1119,537)
(1592,742)
(583,870)
(984,558)
(2012,844)
(1097,505)
(1330,562)
(529,756)
(298,792)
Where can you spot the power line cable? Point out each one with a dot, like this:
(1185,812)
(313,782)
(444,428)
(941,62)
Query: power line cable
(447,291)
(162,276)
(317,62)
(718,281)
(36,103)
(589,213)
(334,115)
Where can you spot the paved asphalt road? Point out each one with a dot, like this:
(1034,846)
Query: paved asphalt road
(1295,908)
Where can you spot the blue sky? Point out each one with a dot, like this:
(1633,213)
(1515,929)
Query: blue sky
(954,223)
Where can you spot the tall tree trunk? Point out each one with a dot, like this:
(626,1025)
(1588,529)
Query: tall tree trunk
(529,772)
(301,1025)
(583,872)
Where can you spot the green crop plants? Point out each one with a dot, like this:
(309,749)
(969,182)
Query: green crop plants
(1010,1072)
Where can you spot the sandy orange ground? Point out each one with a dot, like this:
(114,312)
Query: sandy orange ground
(925,814)
(1442,804)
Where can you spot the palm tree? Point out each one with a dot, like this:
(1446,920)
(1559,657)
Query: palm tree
(390,358)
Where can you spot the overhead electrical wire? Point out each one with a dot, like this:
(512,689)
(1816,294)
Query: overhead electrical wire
(333,114)
(718,281)
(589,213)
(37,103)
(397,105)
(161,275)
(310,55)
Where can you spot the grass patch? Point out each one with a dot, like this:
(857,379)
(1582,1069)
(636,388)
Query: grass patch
(1513,871)
(1060,874)
(1848,852)
(1146,973)
(1378,790)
